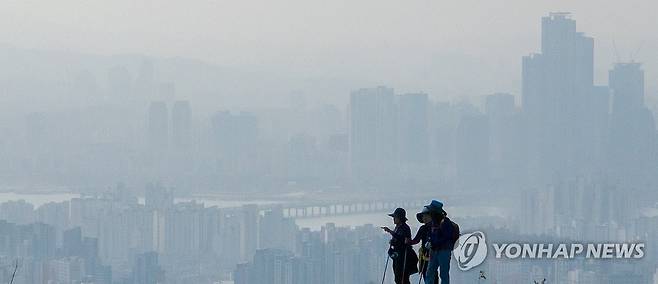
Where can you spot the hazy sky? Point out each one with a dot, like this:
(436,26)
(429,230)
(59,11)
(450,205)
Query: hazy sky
(409,45)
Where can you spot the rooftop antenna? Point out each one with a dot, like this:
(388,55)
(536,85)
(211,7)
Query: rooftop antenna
(614,45)
(637,51)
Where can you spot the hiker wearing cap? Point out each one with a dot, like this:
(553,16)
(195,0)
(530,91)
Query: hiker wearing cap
(442,236)
(422,236)
(403,255)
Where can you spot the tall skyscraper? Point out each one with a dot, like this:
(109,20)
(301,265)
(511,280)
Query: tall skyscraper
(627,82)
(632,148)
(557,87)
(373,147)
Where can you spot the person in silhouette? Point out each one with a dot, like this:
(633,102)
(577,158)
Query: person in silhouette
(422,237)
(403,255)
(440,243)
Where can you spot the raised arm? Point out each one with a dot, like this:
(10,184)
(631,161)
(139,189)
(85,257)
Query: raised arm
(420,235)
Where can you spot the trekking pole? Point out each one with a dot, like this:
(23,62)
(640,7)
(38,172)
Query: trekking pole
(385,267)
(421,272)
(424,265)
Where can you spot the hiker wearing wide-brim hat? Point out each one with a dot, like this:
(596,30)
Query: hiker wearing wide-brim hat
(435,207)
(404,258)
(442,236)
(422,236)
(422,215)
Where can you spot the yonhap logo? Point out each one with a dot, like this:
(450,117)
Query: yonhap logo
(470,250)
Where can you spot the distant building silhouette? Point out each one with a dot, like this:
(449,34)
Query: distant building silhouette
(557,94)
(632,148)
(627,83)
(373,138)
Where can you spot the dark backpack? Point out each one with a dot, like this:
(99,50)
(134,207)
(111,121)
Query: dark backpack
(455,232)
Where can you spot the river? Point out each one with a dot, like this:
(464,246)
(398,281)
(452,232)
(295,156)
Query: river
(314,223)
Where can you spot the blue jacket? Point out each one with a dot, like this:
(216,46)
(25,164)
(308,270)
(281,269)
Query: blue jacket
(441,235)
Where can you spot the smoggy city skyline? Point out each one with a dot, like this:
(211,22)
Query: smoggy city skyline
(307,142)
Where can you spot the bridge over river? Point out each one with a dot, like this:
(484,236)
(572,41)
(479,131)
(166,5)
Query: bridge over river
(347,206)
